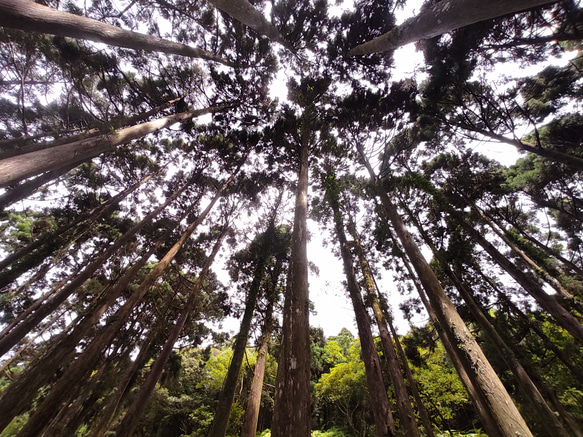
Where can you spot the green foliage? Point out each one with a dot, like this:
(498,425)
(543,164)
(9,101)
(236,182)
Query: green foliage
(14,427)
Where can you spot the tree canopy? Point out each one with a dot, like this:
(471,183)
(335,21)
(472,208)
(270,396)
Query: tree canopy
(155,183)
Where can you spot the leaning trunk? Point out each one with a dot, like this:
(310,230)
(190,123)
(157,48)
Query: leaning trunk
(227,395)
(547,302)
(86,361)
(134,412)
(440,18)
(404,408)
(26,321)
(30,16)
(498,401)
(383,419)
(20,167)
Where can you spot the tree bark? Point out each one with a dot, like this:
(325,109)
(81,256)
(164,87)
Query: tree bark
(292,410)
(545,414)
(42,307)
(423,414)
(134,412)
(404,408)
(547,302)
(86,361)
(475,395)
(381,409)
(243,11)
(28,147)
(28,188)
(227,395)
(443,17)
(20,393)
(100,426)
(506,415)
(249,428)
(20,167)
(30,16)
(533,396)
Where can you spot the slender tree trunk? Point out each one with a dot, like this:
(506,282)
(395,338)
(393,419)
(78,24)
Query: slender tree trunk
(544,412)
(547,302)
(534,326)
(42,307)
(58,141)
(88,218)
(550,154)
(381,409)
(249,428)
(227,395)
(28,188)
(440,18)
(477,366)
(292,411)
(30,16)
(529,389)
(475,395)
(90,355)
(101,425)
(20,393)
(540,271)
(423,414)
(250,420)
(20,167)
(134,412)
(243,11)
(85,362)
(404,408)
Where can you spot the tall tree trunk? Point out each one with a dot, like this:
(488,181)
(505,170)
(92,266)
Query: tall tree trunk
(534,326)
(547,302)
(86,218)
(28,188)
(243,11)
(42,307)
(544,412)
(134,412)
(381,409)
(292,411)
(85,362)
(114,124)
(100,426)
(550,154)
(506,415)
(540,271)
(546,415)
(249,428)
(20,393)
(527,386)
(20,167)
(227,395)
(423,414)
(440,18)
(475,395)
(30,16)
(404,408)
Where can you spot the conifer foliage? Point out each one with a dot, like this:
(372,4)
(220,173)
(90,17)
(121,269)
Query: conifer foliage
(152,188)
